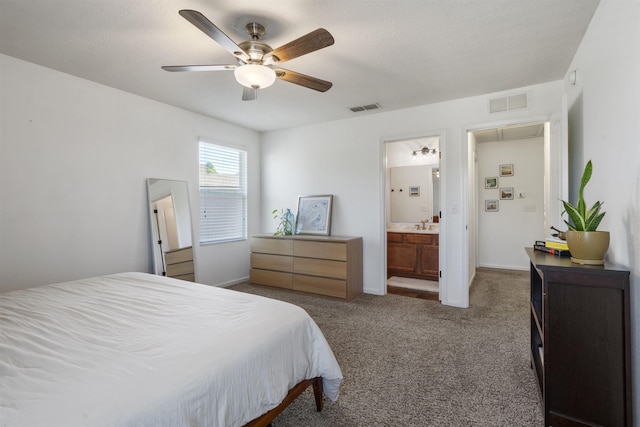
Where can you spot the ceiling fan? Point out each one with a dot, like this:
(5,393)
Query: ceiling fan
(257,66)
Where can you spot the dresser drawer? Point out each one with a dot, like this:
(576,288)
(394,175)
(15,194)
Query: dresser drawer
(320,267)
(271,278)
(395,237)
(425,239)
(320,285)
(272,262)
(178,255)
(324,250)
(272,246)
(179,268)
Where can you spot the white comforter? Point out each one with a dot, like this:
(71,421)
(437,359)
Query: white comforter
(134,349)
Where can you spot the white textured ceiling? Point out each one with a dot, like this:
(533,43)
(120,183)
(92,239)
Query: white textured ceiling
(398,53)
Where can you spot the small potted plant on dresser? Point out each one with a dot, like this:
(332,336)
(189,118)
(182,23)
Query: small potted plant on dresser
(286,220)
(587,246)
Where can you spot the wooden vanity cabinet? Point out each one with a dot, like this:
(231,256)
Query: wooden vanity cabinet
(401,256)
(413,255)
(428,260)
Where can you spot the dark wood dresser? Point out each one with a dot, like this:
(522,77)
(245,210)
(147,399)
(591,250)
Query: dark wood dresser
(580,341)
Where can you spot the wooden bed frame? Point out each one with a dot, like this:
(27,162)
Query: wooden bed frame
(265,419)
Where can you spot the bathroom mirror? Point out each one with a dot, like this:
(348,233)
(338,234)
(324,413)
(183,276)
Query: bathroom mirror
(171,232)
(415,193)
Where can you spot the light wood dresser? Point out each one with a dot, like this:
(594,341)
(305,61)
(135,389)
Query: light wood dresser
(325,265)
(180,264)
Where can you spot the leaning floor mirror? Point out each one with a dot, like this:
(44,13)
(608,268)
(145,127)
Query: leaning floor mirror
(170,219)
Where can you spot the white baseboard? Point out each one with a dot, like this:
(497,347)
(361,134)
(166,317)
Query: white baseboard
(232,282)
(503,267)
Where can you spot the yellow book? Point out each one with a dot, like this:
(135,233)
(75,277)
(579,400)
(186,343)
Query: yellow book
(556,245)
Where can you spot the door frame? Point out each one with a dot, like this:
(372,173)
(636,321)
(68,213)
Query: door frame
(441,135)
(556,163)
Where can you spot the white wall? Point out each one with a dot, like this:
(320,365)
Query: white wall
(605,127)
(346,158)
(74,157)
(518,222)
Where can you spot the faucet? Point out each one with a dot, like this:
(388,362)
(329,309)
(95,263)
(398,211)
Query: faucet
(423,224)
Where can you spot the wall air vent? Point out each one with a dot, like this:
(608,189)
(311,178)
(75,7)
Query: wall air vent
(365,107)
(508,103)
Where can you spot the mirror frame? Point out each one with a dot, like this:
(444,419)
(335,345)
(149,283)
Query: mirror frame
(179,192)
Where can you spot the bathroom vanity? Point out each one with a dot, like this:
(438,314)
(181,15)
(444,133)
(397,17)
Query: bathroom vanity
(413,253)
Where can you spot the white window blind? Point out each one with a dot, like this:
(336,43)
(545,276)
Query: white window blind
(223,193)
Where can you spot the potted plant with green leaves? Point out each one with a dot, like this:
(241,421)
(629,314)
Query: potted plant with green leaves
(586,244)
(285,222)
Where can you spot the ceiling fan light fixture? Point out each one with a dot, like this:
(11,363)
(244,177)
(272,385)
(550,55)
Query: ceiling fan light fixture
(255,76)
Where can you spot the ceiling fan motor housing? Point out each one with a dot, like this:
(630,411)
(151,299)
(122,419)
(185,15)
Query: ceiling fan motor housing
(256,50)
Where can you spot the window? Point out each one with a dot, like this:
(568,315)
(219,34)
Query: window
(223,193)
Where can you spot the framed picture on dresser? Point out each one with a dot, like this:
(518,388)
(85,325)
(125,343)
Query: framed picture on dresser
(314,215)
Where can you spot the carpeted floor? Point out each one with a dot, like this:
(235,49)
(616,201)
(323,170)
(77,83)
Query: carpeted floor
(414,362)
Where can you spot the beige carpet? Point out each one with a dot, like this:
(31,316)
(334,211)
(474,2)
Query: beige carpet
(412,362)
(417,284)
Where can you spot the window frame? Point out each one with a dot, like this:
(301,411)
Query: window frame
(205,232)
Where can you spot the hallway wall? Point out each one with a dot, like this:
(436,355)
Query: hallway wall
(517,223)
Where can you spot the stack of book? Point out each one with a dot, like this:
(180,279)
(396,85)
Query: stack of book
(553,246)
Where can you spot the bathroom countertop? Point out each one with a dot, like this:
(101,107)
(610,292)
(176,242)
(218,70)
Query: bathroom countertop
(430,228)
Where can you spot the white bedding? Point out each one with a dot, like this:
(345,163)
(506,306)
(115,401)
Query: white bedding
(134,349)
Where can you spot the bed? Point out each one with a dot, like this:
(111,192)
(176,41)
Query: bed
(134,349)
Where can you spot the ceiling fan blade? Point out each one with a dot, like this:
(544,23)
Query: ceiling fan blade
(249,94)
(207,27)
(303,80)
(301,46)
(197,67)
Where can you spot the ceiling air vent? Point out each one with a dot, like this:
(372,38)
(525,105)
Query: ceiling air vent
(365,107)
(508,103)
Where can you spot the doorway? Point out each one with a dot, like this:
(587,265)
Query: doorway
(167,225)
(412,216)
(509,186)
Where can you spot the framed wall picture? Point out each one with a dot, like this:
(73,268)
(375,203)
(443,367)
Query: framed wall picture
(314,215)
(506,170)
(506,193)
(491,205)
(491,182)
